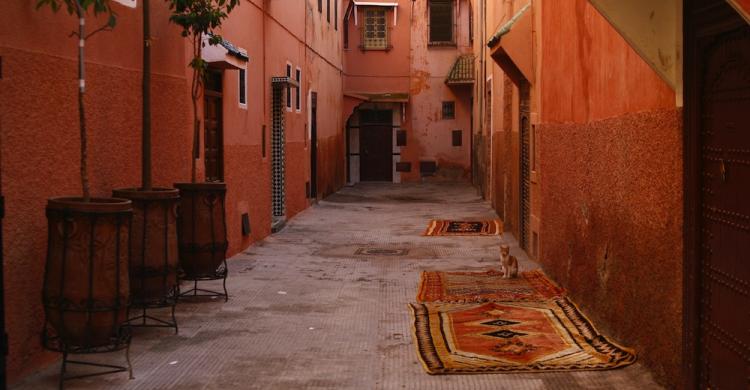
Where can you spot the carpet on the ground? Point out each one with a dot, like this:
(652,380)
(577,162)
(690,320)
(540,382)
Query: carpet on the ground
(462,286)
(517,336)
(490,227)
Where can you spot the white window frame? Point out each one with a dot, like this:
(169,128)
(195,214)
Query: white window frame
(289,102)
(239,90)
(298,91)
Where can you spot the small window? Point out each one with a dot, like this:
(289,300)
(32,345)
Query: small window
(375,32)
(297,91)
(320,6)
(288,87)
(441,22)
(328,10)
(400,137)
(242,88)
(457,136)
(449,110)
(336,14)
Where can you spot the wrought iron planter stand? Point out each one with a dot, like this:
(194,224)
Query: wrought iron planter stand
(203,237)
(221,274)
(86,294)
(122,342)
(154,254)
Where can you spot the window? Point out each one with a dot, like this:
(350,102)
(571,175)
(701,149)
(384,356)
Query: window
(328,10)
(288,88)
(242,88)
(449,110)
(297,94)
(456,137)
(336,14)
(375,35)
(320,6)
(441,22)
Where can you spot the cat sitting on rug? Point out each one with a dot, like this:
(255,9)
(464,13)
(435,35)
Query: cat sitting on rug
(508,263)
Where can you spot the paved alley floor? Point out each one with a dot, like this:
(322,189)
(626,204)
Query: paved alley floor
(307,312)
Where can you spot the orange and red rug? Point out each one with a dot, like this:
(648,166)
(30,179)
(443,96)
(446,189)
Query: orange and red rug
(492,227)
(520,336)
(478,322)
(461,287)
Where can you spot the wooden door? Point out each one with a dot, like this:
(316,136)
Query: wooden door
(376,153)
(376,145)
(214,137)
(314,145)
(717,92)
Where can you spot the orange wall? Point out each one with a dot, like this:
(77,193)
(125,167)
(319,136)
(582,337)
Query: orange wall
(610,158)
(39,124)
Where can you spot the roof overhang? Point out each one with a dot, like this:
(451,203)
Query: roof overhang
(387,97)
(284,82)
(389,4)
(223,55)
(462,72)
(512,46)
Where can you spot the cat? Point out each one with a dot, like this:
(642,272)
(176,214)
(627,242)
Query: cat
(508,263)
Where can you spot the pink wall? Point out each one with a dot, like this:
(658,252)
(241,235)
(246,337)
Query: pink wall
(611,203)
(39,141)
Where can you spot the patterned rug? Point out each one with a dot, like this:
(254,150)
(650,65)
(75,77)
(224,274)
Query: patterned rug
(460,287)
(474,338)
(492,227)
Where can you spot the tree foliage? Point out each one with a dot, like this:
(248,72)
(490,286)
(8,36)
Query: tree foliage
(80,7)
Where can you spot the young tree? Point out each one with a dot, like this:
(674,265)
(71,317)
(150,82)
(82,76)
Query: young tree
(198,18)
(80,8)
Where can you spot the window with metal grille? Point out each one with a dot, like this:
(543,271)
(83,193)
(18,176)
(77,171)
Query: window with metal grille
(288,87)
(375,32)
(297,91)
(243,88)
(449,110)
(441,22)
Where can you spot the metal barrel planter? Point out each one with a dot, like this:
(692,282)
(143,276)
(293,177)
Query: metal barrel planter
(202,235)
(154,254)
(86,291)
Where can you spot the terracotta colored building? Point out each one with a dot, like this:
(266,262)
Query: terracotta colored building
(588,143)
(408,75)
(271,44)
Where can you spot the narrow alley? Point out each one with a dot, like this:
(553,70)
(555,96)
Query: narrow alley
(309,308)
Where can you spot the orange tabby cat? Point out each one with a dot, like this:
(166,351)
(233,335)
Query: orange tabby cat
(508,263)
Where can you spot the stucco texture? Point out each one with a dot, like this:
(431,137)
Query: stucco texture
(610,149)
(40,150)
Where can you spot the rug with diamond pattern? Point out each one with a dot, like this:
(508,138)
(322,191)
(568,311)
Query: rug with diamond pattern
(515,336)
(492,227)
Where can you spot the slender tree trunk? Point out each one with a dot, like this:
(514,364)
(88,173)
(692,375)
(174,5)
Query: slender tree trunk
(81,111)
(146,182)
(195,94)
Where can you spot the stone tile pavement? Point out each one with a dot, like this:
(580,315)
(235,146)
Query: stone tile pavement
(306,311)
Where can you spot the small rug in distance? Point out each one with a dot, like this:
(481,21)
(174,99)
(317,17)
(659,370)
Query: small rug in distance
(527,336)
(462,286)
(438,227)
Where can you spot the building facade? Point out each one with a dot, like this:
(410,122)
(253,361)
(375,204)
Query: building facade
(273,168)
(407,84)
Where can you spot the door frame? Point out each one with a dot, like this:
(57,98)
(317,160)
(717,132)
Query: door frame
(208,93)
(719,19)
(313,145)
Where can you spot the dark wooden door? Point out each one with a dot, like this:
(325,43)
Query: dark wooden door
(376,145)
(314,145)
(376,153)
(214,140)
(718,196)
